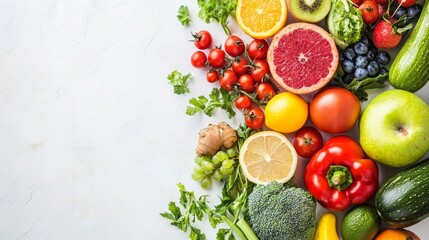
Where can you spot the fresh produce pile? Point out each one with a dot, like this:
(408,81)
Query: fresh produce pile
(303,79)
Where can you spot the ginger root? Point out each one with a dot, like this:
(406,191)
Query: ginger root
(213,137)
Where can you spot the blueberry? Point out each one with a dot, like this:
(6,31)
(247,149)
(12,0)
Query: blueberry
(361,73)
(371,54)
(383,58)
(399,13)
(350,53)
(348,78)
(341,57)
(361,48)
(373,68)
(364,40)
(348,66)
(361,61)
(414,11)
(383,70)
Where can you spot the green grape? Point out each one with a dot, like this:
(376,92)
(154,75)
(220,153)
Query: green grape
(231,152)
(199,159)
(198,176)
(226,171)
(228,163)
(208,167)
(219,157)
(198,169)
(217,175)
(206,182)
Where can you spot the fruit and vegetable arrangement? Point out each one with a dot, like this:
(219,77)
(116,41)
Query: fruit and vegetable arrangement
(299,88)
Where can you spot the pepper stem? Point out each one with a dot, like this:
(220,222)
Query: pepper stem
(339,177)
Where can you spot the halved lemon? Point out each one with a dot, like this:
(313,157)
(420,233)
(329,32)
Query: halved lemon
(261,18)
(268,156)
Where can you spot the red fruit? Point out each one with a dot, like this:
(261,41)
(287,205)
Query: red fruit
(369,10)
(382,35)
(407,3)
(216,58)
(382,3)
(381,10)
(240,66)
(243,102)
(212,76)
(246,83)
(227,80)
(198,59)
(357,2)
(302,58)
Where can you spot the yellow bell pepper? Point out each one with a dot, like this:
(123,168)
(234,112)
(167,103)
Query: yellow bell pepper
(326,229)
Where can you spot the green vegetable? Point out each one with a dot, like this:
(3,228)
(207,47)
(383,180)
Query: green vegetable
(404,199)
(217,10)
(278,212)
(183,15)
(179,82)
(219,98)
(410,69)
(359,87)
(344,22)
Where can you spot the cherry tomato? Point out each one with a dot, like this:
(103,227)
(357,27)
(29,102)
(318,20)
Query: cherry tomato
(264,92)
(254,118)
(216,58)
(198,59)
(240,66)
(234,46)
(243,102)
(202,39)
(228,80)
(246,83)
(257,49)
(259,69)
(307,141)
(212,76)
(407,3)
(369,10)
(334,110)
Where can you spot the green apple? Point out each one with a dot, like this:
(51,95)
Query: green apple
(394,128)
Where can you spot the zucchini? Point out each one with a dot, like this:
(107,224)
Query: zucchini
(404,199)
(410,69)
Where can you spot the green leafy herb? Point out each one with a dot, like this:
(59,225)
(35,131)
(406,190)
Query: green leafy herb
(217,10)
(183,15)
(179,82)
(359,87)
(218,98)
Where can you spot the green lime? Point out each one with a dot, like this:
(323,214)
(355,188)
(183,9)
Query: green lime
(360,223)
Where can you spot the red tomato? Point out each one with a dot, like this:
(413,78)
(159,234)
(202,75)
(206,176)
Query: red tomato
(202,39)
(307,141)
(198,59)
(216,58)
(259,69)
(227,80)
(264,92)
(369,10)
(257,49)
(246,83)
(254,118)
(407,3)
(240,66)
(334,110)
(234,46)
(243,102)
(212,76)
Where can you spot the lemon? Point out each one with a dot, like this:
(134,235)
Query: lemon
(261,18)
(286,112)
(268,156)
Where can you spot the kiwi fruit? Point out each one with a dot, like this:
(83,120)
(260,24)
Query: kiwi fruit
(310,10)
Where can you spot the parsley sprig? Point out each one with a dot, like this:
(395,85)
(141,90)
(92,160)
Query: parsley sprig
(179,82)
(217,10)
(218,98)
(183,15)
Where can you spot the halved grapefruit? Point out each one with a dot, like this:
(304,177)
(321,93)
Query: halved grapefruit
(302,57)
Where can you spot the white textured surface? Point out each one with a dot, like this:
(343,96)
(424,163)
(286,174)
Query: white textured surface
(92,139)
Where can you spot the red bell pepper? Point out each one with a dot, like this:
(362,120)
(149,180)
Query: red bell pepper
(338,175)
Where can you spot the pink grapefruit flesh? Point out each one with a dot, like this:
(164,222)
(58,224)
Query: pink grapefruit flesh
(302,58)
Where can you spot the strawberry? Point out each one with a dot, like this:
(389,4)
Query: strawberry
(384,36)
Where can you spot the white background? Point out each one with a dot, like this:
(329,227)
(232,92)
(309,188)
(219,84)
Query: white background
(92,139)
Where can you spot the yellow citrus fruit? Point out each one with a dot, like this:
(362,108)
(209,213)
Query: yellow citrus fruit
(286,112)
(268,156)
(261,18)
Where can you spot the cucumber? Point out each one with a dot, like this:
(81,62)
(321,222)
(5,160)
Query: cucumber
(404,199)
(410,69)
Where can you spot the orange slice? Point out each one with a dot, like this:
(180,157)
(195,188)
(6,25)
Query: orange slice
(268,156)
(261,18)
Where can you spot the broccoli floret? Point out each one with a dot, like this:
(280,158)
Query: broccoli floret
(277,212)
